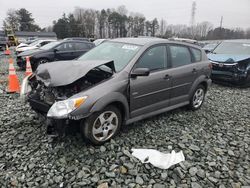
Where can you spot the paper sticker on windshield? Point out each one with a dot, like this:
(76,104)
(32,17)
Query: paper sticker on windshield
(129,47)
(246,44)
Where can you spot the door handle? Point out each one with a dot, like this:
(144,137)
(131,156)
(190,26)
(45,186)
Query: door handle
(194,70)
(166,77)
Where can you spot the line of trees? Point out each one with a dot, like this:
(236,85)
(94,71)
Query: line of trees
(119,22)
(20,20)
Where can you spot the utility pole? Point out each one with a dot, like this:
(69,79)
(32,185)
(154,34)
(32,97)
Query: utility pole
(221,21)
(192,21)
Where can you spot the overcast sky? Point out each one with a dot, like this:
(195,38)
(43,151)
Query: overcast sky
(236,13)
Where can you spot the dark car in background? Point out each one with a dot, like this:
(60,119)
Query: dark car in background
(78,38)
(119,82)
(54,51)
(3,43)
(231,62)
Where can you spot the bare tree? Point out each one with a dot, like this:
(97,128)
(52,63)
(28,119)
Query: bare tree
(163,25)
(11,21)
(122,10)
(248,33)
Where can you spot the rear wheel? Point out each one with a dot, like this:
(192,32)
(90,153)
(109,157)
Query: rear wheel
(197,98)
(102,126)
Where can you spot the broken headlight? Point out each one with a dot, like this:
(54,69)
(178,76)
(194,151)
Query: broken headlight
(61,109)
(25,88)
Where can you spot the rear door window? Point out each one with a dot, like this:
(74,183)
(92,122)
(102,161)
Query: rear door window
(180,55)
(196,54)
(154,58)
(81,46)
(66,47)
(44,43)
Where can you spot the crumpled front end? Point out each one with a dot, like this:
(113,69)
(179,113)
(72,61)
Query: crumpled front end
(58,101)
(231,71)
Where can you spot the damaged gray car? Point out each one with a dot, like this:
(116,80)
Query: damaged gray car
(118,82)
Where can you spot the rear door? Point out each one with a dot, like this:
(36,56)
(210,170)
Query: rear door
(65,51)
(183,73)
(150,93)
(81,48)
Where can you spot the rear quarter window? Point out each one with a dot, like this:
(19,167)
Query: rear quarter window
(196,54)
(81,46)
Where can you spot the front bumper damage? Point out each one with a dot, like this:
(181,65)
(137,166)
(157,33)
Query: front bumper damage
(48,87)
(230,74)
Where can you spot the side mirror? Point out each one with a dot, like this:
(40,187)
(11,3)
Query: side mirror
(55,50)
(140,72)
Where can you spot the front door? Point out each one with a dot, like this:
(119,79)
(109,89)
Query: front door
(150,93)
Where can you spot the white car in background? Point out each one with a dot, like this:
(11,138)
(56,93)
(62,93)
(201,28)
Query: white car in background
(34,45)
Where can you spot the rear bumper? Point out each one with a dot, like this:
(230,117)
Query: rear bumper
(237,78)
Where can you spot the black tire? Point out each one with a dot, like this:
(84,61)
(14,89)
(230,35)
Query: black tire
(91,123)
(194,104)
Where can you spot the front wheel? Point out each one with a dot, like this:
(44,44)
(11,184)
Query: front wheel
(197,98)
(102,126)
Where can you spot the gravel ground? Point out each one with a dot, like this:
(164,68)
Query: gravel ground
(215,141)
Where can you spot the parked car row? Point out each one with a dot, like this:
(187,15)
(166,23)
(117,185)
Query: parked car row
(34,45)
(43,51)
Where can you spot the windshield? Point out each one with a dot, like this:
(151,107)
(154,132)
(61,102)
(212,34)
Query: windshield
(50,45)
(233,48)
(120,53)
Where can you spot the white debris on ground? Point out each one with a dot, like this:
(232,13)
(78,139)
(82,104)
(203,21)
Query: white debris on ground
(158,159)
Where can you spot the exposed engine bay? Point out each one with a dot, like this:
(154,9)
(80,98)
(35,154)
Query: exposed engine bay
(40,93)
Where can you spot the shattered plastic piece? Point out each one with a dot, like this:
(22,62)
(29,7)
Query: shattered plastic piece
(158,159)
(61,184)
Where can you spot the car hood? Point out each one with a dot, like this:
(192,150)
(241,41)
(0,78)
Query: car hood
(61,73)
(31,52)
(27,48)
(227,58)
(22,45)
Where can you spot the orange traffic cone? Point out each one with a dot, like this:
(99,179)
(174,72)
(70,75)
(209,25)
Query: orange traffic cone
(7,50)
(28,67)
(13,84)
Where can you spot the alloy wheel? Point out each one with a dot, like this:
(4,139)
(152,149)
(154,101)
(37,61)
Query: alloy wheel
(198,98)
(105,126)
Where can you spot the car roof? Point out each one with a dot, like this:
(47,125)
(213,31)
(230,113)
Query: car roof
(82,41)
(238,40)
(42,40)
(151,40)
(139,41)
